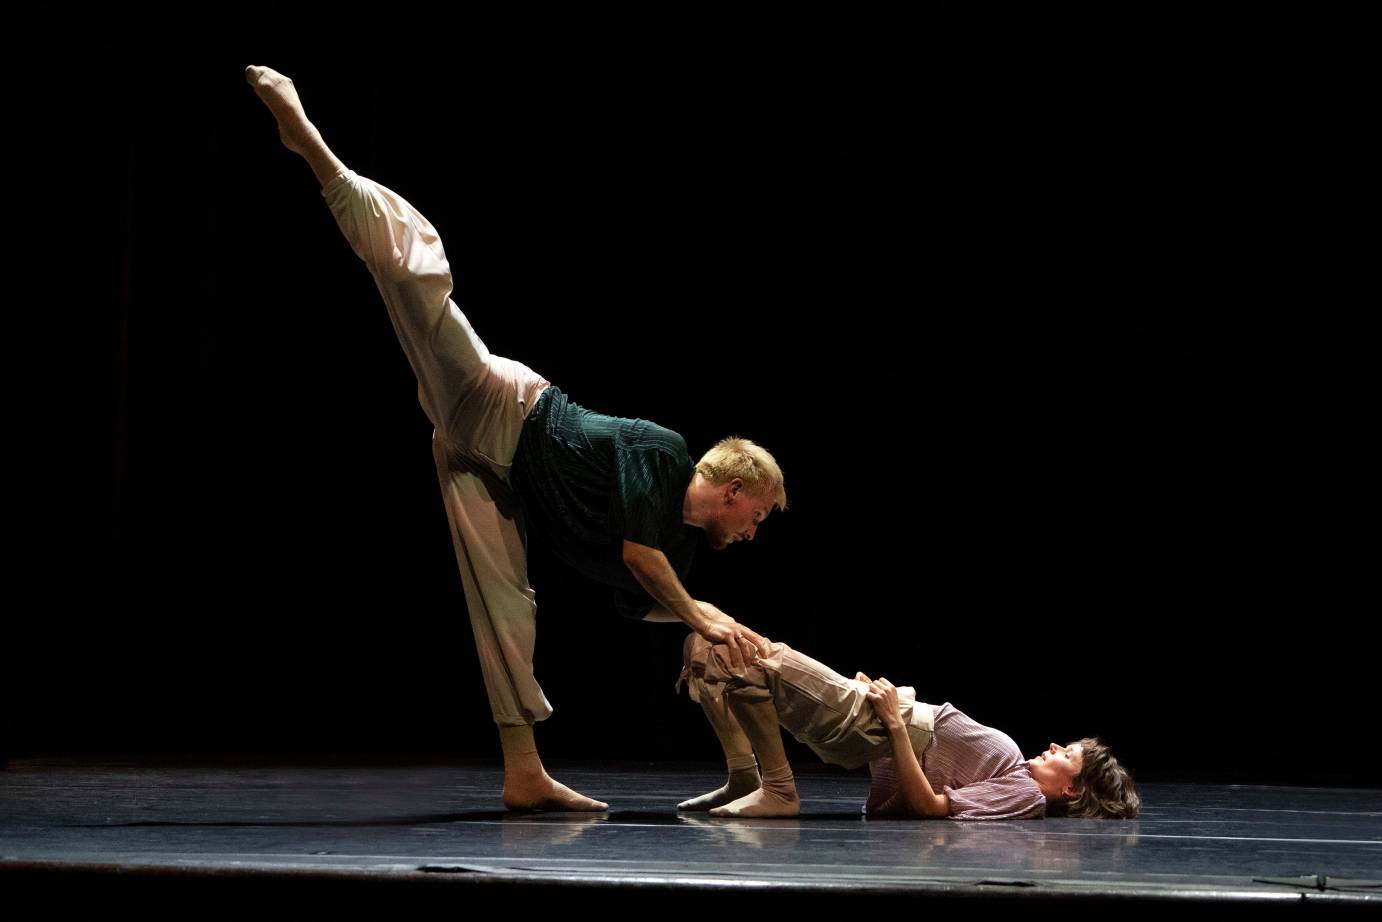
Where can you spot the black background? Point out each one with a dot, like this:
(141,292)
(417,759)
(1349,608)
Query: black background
(1060,421)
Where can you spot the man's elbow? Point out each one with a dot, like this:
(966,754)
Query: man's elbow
(941,808)
(659,615)
(635,553)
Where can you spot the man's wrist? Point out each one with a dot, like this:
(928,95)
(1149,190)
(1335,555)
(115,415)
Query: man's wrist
(701,624)
(712,615)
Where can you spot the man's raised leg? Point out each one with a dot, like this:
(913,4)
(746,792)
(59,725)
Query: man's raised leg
(406,258)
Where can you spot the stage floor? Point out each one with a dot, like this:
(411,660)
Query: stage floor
(1193,843)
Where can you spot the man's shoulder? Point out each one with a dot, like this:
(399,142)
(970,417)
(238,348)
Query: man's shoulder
(647,436)
(633,431)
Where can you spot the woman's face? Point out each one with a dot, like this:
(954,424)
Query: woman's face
(1056,768)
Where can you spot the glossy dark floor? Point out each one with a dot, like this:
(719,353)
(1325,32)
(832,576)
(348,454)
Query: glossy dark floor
(1192,843)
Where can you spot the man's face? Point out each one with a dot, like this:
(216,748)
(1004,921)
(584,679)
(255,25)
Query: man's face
(739,515)
(1056,768)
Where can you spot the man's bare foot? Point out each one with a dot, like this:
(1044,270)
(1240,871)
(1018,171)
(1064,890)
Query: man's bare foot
(278,93)
(762,802)
(742,782)
(297,134)
(544,793)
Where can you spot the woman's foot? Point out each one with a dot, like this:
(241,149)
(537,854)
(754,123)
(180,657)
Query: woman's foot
(777,797)
(762,803)
(740,783)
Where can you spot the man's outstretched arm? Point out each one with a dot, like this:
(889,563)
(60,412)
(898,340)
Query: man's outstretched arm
(654,573)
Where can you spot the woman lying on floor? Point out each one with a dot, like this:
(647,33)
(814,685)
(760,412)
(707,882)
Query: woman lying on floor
(926,760)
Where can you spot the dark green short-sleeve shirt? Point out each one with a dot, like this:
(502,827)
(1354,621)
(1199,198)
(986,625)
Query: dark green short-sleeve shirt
(587,481)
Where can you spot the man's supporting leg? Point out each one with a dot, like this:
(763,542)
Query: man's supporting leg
(527,786)
(487,537)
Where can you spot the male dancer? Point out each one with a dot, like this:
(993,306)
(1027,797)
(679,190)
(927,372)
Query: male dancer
(619,499)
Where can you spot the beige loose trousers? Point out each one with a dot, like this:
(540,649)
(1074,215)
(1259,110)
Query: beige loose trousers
(821,708)
(477,402)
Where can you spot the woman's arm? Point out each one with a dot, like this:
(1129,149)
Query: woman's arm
(916,787)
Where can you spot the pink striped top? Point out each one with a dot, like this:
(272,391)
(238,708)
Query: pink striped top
(979,768)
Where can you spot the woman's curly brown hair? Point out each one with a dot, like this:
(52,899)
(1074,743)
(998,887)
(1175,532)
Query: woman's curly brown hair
(1104,789)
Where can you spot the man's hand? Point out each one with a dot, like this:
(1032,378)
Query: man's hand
(883,696)
(860,677)
(745,645)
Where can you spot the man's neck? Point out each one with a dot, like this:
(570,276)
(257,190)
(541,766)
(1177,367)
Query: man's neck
(692,505)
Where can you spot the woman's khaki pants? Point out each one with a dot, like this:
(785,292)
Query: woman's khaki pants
(821,708)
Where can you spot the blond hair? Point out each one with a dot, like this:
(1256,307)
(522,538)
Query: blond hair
(735,457)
